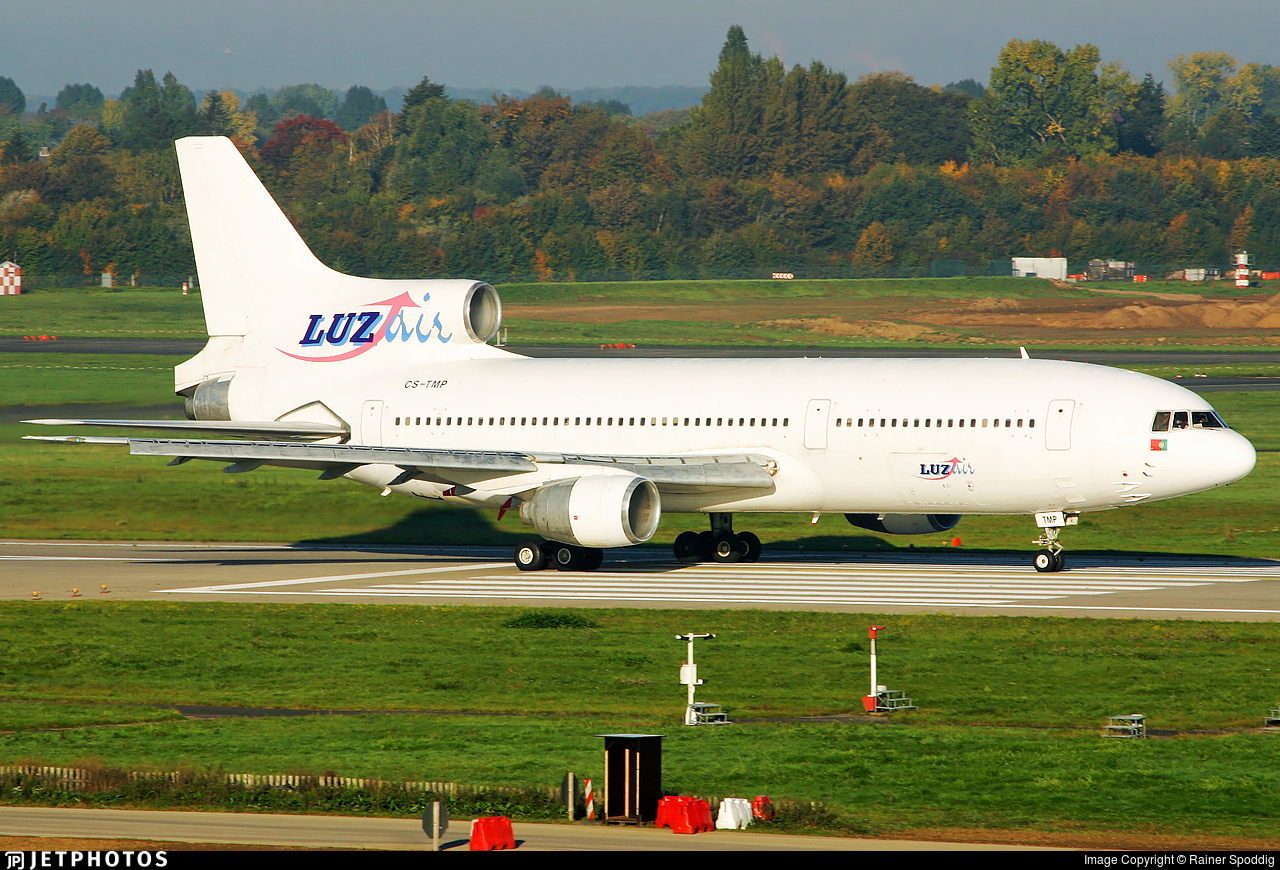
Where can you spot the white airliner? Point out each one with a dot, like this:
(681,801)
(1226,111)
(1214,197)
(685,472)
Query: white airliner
(393,384)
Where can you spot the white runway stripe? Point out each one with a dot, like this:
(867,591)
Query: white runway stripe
(864,585)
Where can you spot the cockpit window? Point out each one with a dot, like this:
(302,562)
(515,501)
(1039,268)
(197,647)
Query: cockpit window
(1180,419)
(1206,420)
(1161,422)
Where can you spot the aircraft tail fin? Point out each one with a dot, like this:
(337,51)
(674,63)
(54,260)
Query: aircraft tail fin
(247,252)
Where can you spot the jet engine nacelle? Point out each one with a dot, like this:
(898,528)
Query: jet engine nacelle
(468,310)
(478,308)
(905,524)
(608,510)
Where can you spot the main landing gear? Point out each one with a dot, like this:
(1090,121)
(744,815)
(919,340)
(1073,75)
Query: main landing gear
(534,555)
(1051,558)
(718,545)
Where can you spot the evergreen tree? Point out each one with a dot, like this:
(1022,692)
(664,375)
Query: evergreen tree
(359,105)
(1140,127)
(80,100)
(1264,136)
(420,93)
(722,137)
(12,100)
(153,116)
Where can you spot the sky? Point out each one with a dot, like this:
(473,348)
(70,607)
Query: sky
(571,44)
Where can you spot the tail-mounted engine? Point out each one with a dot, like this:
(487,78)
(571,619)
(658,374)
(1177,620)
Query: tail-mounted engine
(610,510)
(904,524)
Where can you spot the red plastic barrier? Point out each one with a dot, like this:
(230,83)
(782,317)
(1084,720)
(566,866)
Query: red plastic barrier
(684,815)
(762,808)
(492,833)
(668,810)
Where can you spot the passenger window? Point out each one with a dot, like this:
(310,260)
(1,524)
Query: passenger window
(1161,422)
(1180,419)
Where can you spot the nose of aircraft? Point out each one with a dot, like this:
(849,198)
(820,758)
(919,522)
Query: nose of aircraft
(1236,458)
(1222,457)
(1205,458)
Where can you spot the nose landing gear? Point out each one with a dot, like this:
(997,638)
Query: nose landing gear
(1051,558)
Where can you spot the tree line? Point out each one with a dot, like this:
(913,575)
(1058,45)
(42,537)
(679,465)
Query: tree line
(798,170)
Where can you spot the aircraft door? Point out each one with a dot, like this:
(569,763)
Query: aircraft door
(371,422)
(1057,428)
(815,424)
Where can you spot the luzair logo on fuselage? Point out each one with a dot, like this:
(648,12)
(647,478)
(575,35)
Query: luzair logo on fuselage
(358,332)
(943,470)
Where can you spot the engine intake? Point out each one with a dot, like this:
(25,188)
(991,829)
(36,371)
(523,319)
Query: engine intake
(904,524)
(608,510)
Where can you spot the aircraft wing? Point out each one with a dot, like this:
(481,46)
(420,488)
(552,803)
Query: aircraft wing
(268,428)
(669,473)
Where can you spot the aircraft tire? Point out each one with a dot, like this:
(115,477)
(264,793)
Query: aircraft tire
(529,556)
(569,558)
(593,560)
(730,548)
(754,547)
(686,548)
(1045,561)
(706,546)
(1060,560)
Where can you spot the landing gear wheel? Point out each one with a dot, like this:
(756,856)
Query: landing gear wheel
(754,548)
(593,560)
(1060,560)
(706,546)
(570,558)
(730,548)
(1047,561)
(686,547)
(529,556)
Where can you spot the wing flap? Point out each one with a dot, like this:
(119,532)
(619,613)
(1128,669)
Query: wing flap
(670,473)
(259,428)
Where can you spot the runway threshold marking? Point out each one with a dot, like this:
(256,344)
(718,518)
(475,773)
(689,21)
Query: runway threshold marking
(336,578)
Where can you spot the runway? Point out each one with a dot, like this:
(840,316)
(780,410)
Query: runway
(1213,588)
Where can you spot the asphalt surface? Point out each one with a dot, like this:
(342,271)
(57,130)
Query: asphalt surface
(347,832)
(1210,588)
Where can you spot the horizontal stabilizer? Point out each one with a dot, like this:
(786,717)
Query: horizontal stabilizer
(270,428)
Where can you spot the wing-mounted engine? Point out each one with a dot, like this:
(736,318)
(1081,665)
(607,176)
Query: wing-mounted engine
(904,524)
(607,510)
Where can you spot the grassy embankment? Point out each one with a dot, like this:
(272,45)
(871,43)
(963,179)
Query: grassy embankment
(1042,686)
(679,312)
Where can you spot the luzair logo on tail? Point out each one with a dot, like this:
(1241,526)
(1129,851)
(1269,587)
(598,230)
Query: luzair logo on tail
(365,330)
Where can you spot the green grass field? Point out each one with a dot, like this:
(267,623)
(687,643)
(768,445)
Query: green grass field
(1041,688)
